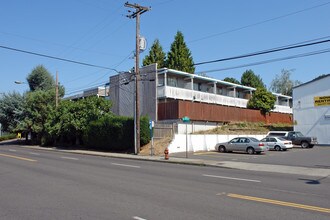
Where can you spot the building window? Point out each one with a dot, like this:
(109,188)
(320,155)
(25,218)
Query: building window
(172,82)
(160,81)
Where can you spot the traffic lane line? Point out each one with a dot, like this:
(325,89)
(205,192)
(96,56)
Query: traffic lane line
(232,178)
(70,158)
(19,158)
(138,218)
(125,165)
(32,153)
(278,202)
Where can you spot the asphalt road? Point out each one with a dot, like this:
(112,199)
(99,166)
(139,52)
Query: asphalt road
(51,185)
(317,157)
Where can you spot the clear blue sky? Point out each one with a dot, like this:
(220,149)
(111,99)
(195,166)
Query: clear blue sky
(98,32)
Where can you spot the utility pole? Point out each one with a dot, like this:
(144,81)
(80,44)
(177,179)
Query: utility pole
(56,90)
(138,11)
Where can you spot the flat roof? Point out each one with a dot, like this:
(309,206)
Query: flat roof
(313,80)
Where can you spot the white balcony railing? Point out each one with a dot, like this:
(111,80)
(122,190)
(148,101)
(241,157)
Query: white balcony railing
(191,95)
(283,109)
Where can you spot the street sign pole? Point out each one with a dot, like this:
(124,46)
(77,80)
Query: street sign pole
(186,120)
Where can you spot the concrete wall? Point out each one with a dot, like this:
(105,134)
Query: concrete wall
(201,142)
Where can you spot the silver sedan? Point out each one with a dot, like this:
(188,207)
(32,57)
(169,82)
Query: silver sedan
(277,143)
(249,145)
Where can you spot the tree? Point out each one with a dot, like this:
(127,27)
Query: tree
(179,57)
(156,55)
(38,105)
(70,120)
(11,110)
(262,100)
(232,80)
(249,78)
(283,84)
(40,79)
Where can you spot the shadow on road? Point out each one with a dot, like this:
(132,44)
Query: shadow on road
(314,181)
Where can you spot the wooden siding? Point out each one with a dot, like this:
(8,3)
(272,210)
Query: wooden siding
(176,109)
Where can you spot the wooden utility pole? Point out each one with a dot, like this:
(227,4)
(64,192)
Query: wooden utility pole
(138,11)
(56,90)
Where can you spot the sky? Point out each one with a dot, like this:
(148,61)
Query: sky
(98,32)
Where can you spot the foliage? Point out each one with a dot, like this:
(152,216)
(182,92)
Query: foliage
(115,133)
(40,79)
(232,80)
(249,78)
(262,100)
(144,131)
(7,137)
(69,121)
(283,84)
(11,110)
(179,57)
(38,106)
(156,55)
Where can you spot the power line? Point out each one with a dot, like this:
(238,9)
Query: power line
(270,61)
(264,52)
(57,58)
(260,22)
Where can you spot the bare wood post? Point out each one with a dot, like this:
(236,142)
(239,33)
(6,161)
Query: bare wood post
(138,11)
(56,90)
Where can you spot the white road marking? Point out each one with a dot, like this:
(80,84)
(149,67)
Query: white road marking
(12,150)
(138,218)
(125,165)
(232,178)
(70,158)
(34,153)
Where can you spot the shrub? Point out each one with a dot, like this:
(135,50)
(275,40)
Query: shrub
(115,133)
(7,137)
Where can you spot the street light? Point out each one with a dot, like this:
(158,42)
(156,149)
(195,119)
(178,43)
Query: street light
(20,82)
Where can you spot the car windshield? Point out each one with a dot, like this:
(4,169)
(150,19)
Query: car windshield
(254,139)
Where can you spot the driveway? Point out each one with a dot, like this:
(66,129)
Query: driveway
(317,157)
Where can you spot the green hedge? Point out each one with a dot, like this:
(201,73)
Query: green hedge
(115,133)
(7,137)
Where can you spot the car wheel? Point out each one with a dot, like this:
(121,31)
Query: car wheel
(277,148)
(222,149)
(250,150)
(304,144)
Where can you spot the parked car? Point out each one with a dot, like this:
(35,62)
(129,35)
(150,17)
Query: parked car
(249,145)
(296,137)
(277,143)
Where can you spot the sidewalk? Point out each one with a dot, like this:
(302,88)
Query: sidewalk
(316,172)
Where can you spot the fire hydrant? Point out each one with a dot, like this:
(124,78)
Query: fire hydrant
(166,153)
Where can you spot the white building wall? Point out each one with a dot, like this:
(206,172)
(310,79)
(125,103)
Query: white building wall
(200,142)
(312,120)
